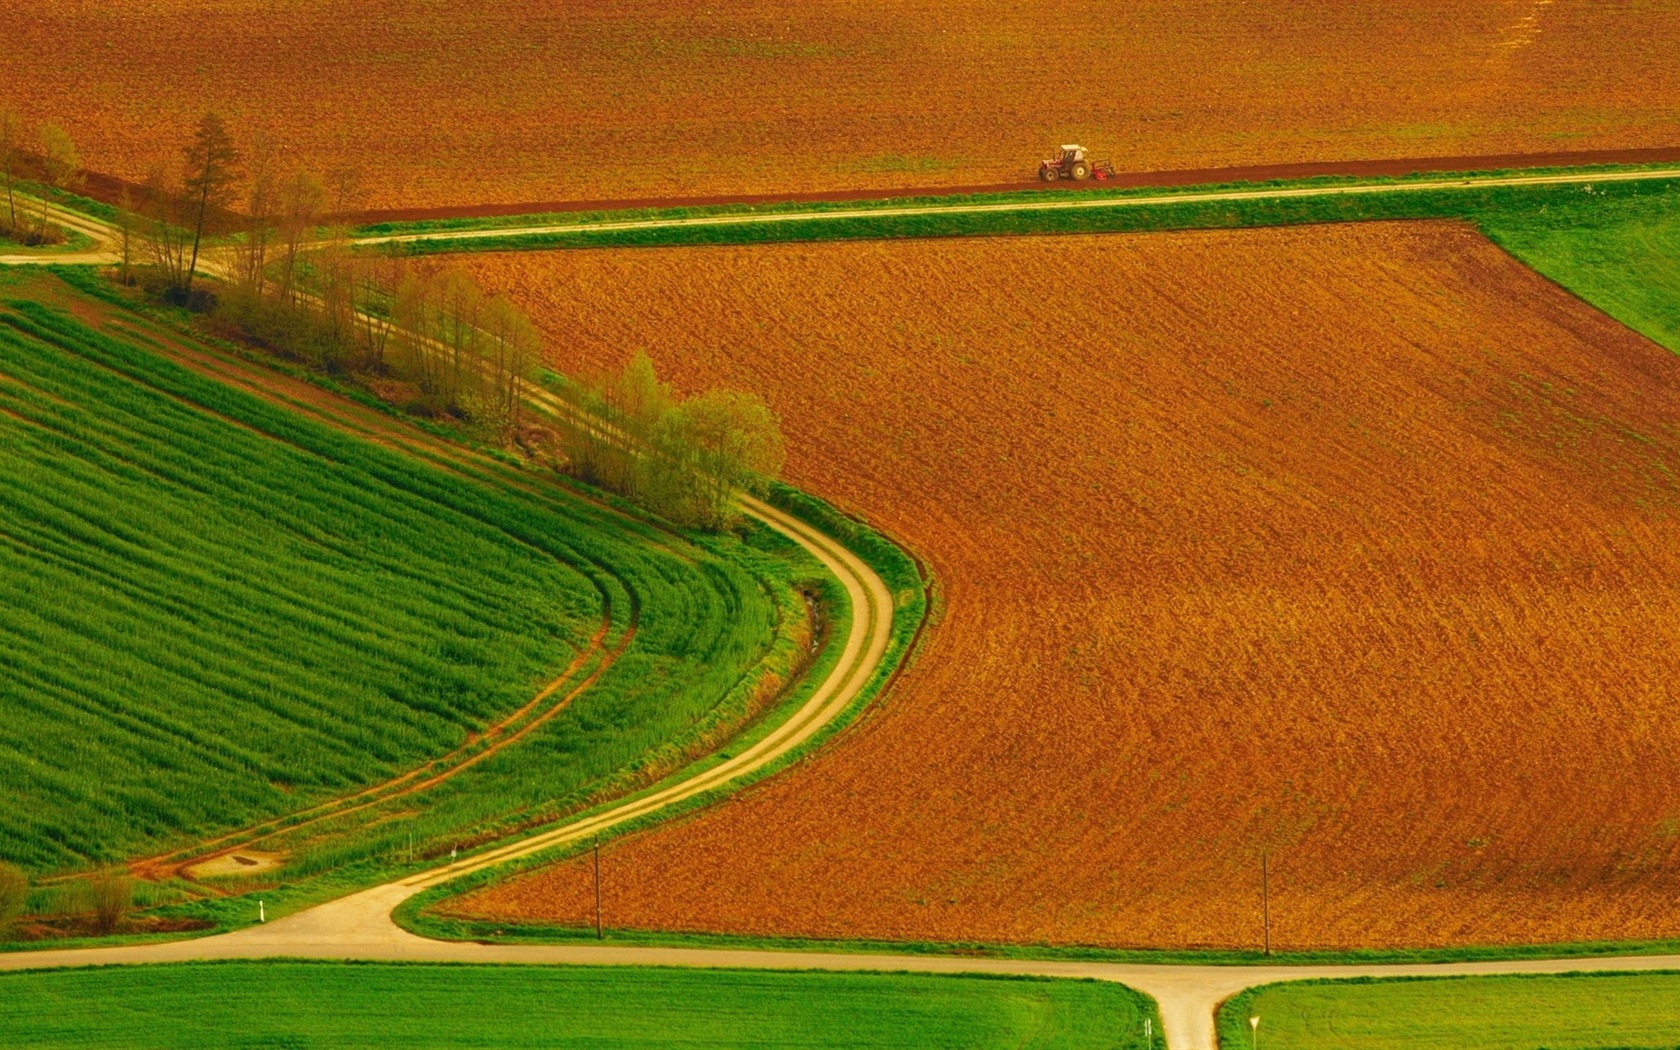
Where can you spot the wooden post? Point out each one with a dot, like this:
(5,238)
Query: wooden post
(1266,900)
(598,935)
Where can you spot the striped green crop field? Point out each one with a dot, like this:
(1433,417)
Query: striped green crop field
(216,611)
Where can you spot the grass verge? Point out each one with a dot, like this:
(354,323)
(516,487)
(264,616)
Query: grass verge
(295,1004)
(1092,212)
(1505,1012)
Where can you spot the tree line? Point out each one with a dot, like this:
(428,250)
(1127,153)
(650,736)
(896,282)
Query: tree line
(293,282)
(684,459)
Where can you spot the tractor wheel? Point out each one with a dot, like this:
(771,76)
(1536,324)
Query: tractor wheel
(1080,172)
(1048,173)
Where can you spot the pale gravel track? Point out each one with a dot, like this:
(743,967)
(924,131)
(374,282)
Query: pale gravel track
(1122,199)
(360,927)
(1069,203)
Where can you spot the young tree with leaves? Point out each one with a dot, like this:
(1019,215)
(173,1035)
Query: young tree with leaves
(737,443)
(61,164)
(11,145)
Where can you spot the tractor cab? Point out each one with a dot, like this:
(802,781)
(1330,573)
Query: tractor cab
(1070,153)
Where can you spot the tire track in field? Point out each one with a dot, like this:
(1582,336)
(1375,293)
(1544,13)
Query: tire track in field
(473,751)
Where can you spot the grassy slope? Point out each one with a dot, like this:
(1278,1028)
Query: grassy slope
(381,1005)
(290,592)
(1475,1013)
(1620,252)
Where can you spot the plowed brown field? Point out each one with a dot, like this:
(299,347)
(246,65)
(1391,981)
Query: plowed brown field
(458,102)
(1355,543)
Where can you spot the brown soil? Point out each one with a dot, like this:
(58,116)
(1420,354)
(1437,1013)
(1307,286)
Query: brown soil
(1350,543)
(456,103)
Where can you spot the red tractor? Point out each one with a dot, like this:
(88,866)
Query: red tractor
(1070,163)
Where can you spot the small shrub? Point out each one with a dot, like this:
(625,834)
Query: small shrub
(111,894)
(14,891)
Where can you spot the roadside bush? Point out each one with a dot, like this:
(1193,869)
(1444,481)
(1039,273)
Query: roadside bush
(111,894)
(14,890)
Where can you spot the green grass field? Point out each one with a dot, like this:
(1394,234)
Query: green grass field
(1572,1012)
(214,610)
(297,1005)
(1620,252)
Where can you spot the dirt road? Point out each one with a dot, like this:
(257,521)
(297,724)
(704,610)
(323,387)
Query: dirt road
(360,927)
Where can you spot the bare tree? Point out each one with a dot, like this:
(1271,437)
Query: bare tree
(510,345)
(11,143)
(301,200)
(165,233)
(376,279)
(61,164)
(460,300)
(127,219)
(262,203)
(212,173)
(414,309)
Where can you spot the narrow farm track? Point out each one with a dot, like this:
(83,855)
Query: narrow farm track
(106,235)
(1073,203)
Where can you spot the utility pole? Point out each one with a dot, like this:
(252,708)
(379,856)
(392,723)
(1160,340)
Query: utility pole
(1266,900)
(598,886)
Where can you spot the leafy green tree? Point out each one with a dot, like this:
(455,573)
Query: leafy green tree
(737,446)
